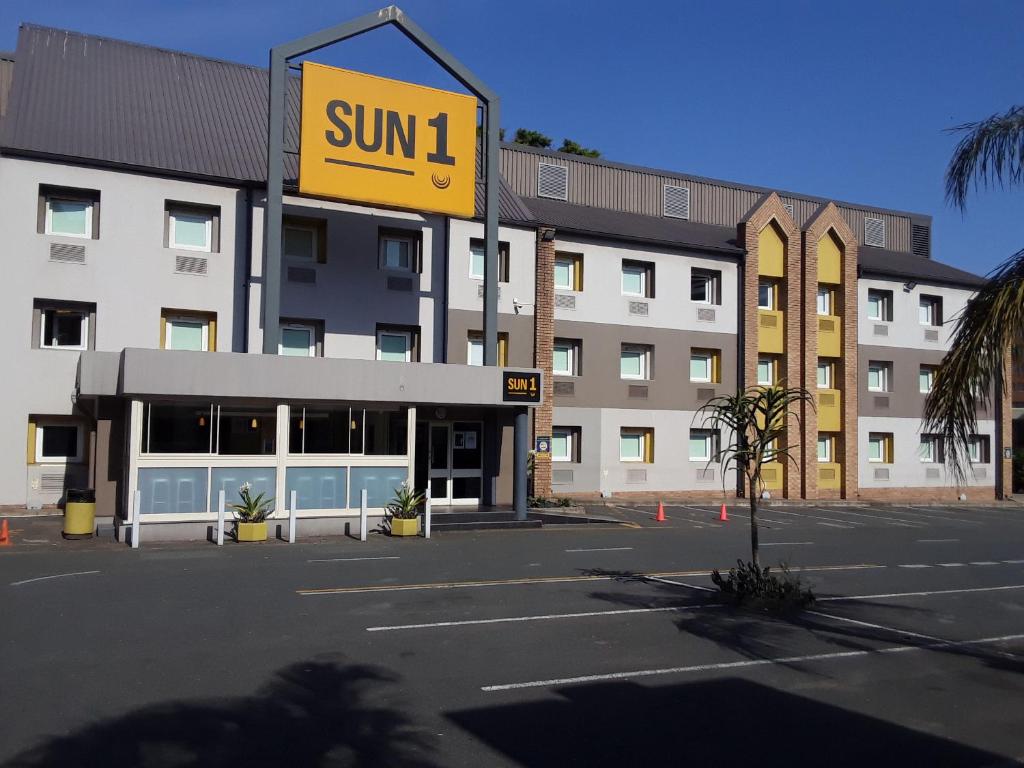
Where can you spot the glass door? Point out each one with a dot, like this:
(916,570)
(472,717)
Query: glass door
(455,463)
(440,463)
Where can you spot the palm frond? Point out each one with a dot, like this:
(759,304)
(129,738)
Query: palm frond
(985,332)
(991,153)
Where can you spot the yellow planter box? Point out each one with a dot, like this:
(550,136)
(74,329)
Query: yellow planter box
(252,531)
(79,519)
(405,527)
(829,410)
(830,336)
(770,325)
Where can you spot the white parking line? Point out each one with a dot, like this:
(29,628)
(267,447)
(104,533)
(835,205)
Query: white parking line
(876,626)
(834,525)
(967,590)
(848,523)
(748,663)
(952,565)
(54,576)
(894,520)
(1013,562)
(914,565)
(353,559)
(784,543)
(601,549)
(935,541)
(984,562)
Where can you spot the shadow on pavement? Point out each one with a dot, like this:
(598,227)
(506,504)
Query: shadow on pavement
(312,713)
(725,722)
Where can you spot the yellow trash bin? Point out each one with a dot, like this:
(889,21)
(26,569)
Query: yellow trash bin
(80,513)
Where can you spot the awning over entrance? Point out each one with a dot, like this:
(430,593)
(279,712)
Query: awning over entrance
(156,373)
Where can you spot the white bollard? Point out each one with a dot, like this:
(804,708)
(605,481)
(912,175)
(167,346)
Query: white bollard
(136,519)
(220,517)
(362,515)
(426,514)
(291,517)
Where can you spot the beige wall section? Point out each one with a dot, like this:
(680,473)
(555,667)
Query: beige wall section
(518,327)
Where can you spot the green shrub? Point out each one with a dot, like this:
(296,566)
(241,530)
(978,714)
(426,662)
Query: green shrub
(406,503)
(251,510)
(758,587)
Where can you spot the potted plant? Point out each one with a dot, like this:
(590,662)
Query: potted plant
(251,515)
(403,511)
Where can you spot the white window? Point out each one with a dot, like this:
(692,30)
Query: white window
(71,218)
(564,358)
(297,340)
(824,301)
(765,372)
(562,448)
(977,449)
(878,305)
(476,260)
(633,362)
(930,310)
(702,444)
(188,333)
(475,351)
(58,443)
(926,449)
(300,242)
(878,377)
(824,449)
(634,280)
(64,329)
(701,366)
(634,444)
(878,447)
(824,375)
(926,378)
(704,286)
(191,230)
(394,346)
(765,295)
(397,253)
(565,273)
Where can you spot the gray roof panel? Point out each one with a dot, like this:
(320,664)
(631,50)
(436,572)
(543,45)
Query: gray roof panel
(907,266)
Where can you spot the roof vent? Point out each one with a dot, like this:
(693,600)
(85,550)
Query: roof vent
(553,181)
(874,232)
(921,240)
(677,202)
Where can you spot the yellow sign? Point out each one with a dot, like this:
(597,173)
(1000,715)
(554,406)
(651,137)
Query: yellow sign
(375,140)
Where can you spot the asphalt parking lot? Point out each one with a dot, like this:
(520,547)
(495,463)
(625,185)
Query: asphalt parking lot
(572,645)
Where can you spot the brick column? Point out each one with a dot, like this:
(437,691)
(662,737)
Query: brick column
(543,341)
(809,362)
(1004,428)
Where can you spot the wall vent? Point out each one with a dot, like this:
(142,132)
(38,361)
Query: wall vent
(638,308)
(400,284)
(980,473)
(880,330)
(553,181)
(769,320)
(826,473)
(51,481)
(304,275)
(565,301)
(881,473)
(881,402)
(67,254)
(826,325)
(638,391)
(921,240)
(561,476)
(930,334)
(874,232)
(480,292)
(705,315)
(932,473)
(705,475)
(676,204)
(827,399)
(565,387)
(190,265)
(770,474)
(636,475)
(705,394)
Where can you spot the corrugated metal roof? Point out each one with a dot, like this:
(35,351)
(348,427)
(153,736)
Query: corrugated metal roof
(906,266)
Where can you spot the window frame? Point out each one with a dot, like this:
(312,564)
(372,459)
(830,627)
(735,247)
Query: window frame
(309,328)
(829,368)
(928,370)
(83,328)
(712,281)
(407,335)
(825,440)
(934,305)
(773,300)
(302,227)
(932,442)
(52,197)
(503,259)
(572,443)
(828,295)
(885,443)
(885,371)
(983,446)
(646,438)
(709,444)
(575,261)
(41,425)
(173,212)
(573,347)
(884,305)
(645,271)
(643,351)
(708,355)
(412,239)
(771,372)
(169,320)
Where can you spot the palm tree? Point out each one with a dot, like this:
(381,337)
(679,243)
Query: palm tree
(990,154)
(754,423)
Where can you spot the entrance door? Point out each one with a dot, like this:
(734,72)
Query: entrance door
(456,462)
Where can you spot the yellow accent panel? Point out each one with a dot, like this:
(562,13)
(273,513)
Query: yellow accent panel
(30,450)
(771,252)
(830,336)
(770,336)
(830,476)
(577,272)
(163,331)
(649,446)
(830,260)
(213,333)
(771,475)
(503,349)
(830,410)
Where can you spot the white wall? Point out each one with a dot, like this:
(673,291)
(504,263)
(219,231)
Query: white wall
(464,291)
(904,330)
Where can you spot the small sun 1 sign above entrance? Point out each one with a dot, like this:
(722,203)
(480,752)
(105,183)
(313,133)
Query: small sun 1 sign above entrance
(520,387)
(370,139)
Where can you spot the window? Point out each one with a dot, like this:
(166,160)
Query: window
(475,348)
(765,371)
(69,216)
(878,376)
(930,449)
(565,444)
(297,340)
(320,430)
(476,260)
(704,366)
(394,346)
(246,431)
(824,301)
(926,378)
(58,443)
(565,358)
(190,229)
(178,428)
(879,305)
(568,272)
(824,375)
(766,294)
(635,361)
(190,331)
(930,310)
(880,447)
(636,444)
(824,449)
(637,279)
(702,444)
(300,242)
(399,251)
(705,285)
(63,325)
(978,449)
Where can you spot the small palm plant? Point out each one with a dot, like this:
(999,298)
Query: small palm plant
(406,503)
(251,510)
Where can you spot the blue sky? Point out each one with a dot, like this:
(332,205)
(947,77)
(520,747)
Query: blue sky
(847,100)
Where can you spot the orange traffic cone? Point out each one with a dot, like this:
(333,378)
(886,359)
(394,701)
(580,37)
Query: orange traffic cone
(5,537)
(660,518)
(723,516)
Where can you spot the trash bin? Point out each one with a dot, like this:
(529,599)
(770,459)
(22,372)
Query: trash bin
(80,513)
